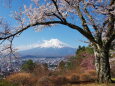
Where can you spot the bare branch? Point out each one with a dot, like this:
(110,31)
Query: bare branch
(55,4)
(91,19)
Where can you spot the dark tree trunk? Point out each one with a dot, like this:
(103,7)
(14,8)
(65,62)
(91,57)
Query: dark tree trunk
(102,64)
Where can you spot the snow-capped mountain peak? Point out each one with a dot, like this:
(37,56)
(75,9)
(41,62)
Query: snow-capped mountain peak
(54,43)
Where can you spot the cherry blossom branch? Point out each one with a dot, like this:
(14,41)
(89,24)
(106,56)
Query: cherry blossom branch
(57,8)
(30,25)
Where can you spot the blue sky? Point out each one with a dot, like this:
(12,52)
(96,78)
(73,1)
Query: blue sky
(30,36)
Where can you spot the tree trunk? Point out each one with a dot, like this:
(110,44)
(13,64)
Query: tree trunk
(102,65)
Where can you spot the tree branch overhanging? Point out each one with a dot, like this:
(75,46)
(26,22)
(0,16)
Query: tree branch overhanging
(28,26)
(79,29)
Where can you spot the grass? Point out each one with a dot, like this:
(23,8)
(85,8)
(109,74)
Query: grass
(5,83)
(93,84)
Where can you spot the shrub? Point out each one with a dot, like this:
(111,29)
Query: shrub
(91,72)
(40,71)
(74,78)
(88,62)
(88,76)
(52,81)
(59,80)
(85,77)
(45,81)
(6,83)
(28,66)
(22,79)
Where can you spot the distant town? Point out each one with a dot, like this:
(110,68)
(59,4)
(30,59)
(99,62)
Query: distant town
(8,66)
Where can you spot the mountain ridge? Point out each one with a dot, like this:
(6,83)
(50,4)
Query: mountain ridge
(48,48)
(48,52)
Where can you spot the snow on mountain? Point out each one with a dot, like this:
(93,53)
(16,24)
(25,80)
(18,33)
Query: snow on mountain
(54,43)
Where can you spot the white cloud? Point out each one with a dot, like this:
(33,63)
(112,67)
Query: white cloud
(55,43)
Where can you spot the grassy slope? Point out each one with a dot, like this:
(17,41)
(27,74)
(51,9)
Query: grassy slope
(95,85)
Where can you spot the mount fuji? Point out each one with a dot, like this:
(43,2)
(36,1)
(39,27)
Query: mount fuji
(48,48)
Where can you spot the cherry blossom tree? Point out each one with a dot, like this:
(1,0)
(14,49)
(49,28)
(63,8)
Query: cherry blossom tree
(94,19)
(87,62)
(6,45)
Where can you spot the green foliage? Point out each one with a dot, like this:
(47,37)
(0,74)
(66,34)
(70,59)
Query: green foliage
(89,50)
(5,83)
(1,77)
(45,65)
(61,65)
(28,66)
(82,50)
(69,65)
